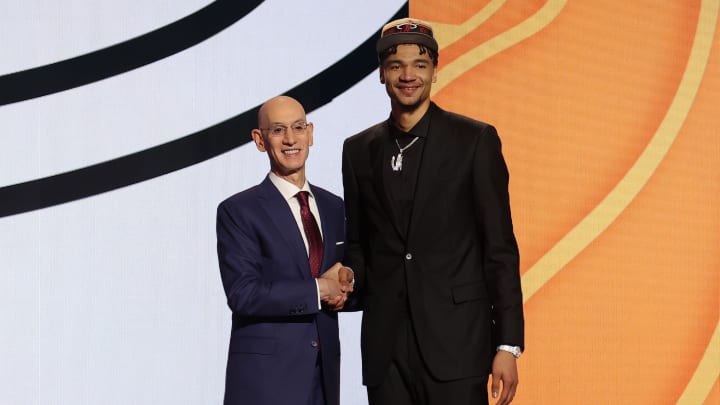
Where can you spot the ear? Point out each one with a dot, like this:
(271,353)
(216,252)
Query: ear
(382,76)
(258,138)
(309,133)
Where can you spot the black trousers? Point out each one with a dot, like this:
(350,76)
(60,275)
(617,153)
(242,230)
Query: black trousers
(409,382)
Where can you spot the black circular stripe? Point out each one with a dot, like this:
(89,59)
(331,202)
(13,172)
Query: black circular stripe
(125,56)
(189,150)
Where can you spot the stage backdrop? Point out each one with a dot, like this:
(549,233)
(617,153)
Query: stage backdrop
(124,124)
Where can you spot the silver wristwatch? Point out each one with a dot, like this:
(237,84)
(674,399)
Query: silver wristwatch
(514,350)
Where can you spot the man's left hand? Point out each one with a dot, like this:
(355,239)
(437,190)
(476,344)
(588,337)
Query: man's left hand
(504,368)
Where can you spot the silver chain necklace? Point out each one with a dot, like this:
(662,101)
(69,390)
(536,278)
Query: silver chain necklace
(396,162)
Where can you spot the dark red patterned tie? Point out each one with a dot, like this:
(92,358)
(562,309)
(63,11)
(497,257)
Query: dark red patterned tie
(312,233)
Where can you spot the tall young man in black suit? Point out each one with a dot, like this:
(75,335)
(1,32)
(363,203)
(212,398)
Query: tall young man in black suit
(431,242)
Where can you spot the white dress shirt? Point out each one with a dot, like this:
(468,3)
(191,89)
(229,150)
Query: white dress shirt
(288,191)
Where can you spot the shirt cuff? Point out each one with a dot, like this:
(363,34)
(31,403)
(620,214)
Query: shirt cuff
(317,288)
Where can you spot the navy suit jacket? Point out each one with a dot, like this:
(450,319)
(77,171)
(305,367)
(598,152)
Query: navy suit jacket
(277,328)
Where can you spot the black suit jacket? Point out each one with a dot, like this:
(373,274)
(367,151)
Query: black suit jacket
(457,265)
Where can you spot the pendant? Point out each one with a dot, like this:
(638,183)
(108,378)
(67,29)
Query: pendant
(396,164)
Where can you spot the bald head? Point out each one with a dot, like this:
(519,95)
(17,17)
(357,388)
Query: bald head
(285,135)
(280,105)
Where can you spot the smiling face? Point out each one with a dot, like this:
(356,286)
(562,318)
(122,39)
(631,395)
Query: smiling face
(408,75)
(286,137)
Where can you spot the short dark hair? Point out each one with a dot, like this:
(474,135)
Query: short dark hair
(423,49)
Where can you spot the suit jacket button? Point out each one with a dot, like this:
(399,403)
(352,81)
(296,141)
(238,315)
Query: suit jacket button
(408,256)
(314,343)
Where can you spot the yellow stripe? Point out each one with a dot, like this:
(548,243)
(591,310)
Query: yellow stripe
(706,374)
(627,189)
(513,36)
(447,34)
(620,197)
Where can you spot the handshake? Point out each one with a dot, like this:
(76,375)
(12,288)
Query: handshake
(335,285)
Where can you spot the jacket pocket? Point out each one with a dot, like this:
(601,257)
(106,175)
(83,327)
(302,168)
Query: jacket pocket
(469,292)
(252,344)
(339,251)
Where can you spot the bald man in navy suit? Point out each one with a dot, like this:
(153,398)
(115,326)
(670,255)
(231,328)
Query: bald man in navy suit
(284,345)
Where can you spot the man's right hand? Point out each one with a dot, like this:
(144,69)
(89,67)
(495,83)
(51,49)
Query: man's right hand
(335,284)
(329,289)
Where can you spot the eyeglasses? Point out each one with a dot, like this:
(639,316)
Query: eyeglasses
(298,128)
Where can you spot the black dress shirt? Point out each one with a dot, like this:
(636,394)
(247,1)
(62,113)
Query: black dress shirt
(403,182)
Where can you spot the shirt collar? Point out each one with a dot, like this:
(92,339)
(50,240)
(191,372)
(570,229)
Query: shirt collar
(287,189)
(420,129)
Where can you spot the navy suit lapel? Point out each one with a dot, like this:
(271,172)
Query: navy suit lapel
(282,218)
